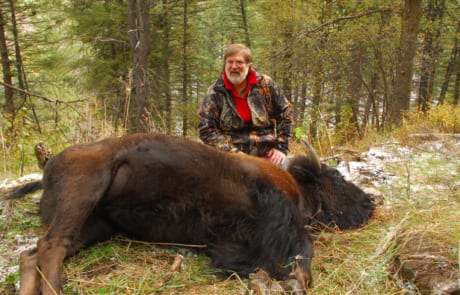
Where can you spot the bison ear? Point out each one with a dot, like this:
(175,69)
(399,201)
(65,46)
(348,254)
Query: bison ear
(303,170)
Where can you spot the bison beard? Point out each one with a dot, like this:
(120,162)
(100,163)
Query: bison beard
(250,213)
(158,188)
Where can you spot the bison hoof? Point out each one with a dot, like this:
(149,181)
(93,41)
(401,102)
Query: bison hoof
(257,287)
(293,287)
(260,287)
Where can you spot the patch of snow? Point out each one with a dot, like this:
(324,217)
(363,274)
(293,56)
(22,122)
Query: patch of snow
(365,173)
(31,177)
(21,244)
(378,153)
(6,183)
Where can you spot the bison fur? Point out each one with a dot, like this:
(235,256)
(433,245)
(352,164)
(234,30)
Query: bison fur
(251,214)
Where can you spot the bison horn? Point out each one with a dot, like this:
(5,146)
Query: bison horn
(311,154)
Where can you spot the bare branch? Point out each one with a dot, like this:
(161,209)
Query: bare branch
(55,101)
(343,18)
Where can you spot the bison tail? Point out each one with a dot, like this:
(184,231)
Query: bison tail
(19,191)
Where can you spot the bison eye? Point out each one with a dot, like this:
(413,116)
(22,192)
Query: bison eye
(336,173)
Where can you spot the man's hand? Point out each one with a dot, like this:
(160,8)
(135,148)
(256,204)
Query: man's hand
(276,156)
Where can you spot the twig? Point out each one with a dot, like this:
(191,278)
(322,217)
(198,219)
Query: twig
(92,283)
(175,267)
(177,263)
(162,244)
(408,170)
(342,149)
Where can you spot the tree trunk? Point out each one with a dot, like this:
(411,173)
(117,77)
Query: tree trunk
(302,107)
(434,14)
(22,79)
(139,39)
(185,71)
(245,23)
(400,101)
(316,99)
(354,89)
(386,89)
(7,77)
(379,106)
(457,88)
(165,27)
(450,68)
(371,111)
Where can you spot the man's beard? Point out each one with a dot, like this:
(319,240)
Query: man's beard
(235,80)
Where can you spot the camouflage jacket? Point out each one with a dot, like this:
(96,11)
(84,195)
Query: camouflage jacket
(221,126)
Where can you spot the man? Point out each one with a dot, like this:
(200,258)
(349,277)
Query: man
(245,111)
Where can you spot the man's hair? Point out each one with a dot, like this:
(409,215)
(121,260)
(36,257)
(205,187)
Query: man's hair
(236,48)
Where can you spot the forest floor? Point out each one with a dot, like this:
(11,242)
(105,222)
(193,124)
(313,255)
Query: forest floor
(410,245)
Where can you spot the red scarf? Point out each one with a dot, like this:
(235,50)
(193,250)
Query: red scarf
(241,101)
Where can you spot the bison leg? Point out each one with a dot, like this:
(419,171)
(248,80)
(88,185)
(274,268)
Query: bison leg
(69,208)
(59,244)
(29,275)
(51,254)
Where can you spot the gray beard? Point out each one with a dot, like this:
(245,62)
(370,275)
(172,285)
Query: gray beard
(237,80)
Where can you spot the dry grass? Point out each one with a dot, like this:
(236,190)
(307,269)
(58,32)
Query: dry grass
(129,267)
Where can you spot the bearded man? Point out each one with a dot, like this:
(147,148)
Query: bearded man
(246,111)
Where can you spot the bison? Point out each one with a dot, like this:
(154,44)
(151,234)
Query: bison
(250,214)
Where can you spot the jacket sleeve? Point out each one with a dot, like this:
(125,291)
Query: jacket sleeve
(208,126)
(283,116)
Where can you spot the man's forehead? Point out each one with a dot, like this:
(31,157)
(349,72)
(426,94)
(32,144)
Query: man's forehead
(236,56)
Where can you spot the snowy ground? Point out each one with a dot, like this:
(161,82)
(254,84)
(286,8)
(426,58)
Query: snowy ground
(13,244)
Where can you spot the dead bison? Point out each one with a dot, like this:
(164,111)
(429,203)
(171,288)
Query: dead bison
(159,188)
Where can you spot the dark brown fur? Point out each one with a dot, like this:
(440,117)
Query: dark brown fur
(159,188)
(331,200)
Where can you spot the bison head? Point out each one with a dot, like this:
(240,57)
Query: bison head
(329,198)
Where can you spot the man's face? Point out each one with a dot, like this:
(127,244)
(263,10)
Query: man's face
(236,68)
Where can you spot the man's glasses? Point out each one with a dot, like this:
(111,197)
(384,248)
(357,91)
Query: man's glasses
(236,62)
